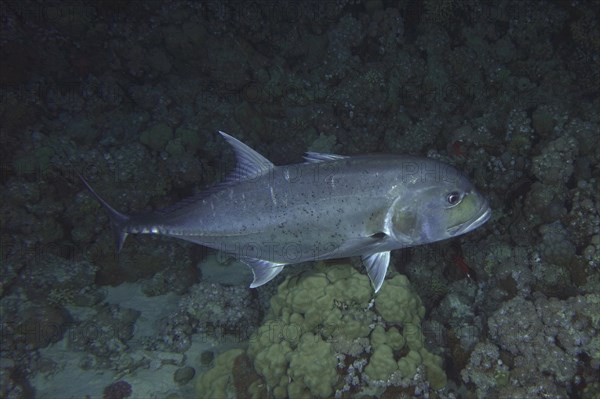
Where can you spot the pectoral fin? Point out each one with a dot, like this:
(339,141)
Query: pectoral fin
(263,270)
(376,265)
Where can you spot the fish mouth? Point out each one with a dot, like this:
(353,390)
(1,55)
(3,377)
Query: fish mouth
(484,215)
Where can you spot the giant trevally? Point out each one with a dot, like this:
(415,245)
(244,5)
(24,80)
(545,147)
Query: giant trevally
(331,206)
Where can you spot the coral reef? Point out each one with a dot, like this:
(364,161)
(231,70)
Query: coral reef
(118,390)
(63,282)
(218,381)
(549,346)
(130,95)
(104,335)
(317,335)
(210,309)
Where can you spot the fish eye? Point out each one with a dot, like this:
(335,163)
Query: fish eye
(453,198)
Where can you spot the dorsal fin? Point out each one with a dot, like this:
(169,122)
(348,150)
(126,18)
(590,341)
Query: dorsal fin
(250,164)
(313,157)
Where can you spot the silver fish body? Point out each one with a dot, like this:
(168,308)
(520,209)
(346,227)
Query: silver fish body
(332,206)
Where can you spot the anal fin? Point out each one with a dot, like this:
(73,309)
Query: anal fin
(376,265)
(263,270)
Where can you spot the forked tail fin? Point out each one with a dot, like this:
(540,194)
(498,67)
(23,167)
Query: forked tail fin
(118,220)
